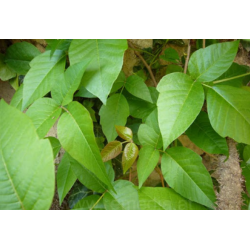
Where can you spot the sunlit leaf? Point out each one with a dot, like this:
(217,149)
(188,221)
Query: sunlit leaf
(129,156)
(124,132)
(111,150)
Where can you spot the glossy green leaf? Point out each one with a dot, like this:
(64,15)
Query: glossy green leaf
(235,70)
(60,44)
(27,176)
(5,72)
(148,137)
(246,154)
(135,86)
(204,136)
(89,202)
(55,144)
(44,73)
(229,112)
(17,99)
(126,197)
(114,113)
(179,96)
(75,133)
(19,55)
(184,172)
(170,55)
(148,159)
(129,156)
(106,64)
(65,177)
(63,91)
(111,150)
(158,198)
(207,64)
(124,132)
(138,108)
(44,112)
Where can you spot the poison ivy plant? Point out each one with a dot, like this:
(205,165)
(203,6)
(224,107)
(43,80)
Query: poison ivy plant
(116,128)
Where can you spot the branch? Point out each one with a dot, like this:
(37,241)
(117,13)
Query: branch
(144,62)
(187,59)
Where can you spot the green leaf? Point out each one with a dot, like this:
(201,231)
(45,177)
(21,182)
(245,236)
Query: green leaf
(129,156)
(124,132)
(44,73)
(106,64)
(17,99)
(5,72)
(173,68)
(148,159)
(60,44)
(148,137)
(119,82)
(88,105)
(184,172)
(138,108)
(246,173)
(65,177)
(114,113)
(246,154)
(44,112)
(19,55)
(83,92)
(179,96)
(55,144)
(14,82)
(27,176)
(88,202)
(158,198)
(229,112)
(204,136)
(63,91)
(235,70)
(125,198)
(170,55)
(207,64)
(75,132)
(111,150)
(135,86)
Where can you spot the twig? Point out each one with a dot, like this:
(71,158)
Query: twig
(144,62)
(204,43)
(187,59)
(158,170)
(98,200)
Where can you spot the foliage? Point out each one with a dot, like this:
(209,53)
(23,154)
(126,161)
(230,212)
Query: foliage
(106,118)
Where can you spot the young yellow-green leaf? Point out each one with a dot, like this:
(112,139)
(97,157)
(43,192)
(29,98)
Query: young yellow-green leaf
(63,91)
(114,113)
(44,73)
(148,159)
(19,55)
(65,177)
(229,112)
(111,150)
(27,175)
(158,198)
(44,112)
(204,136)
(207,64)
(184,172)
(125,198)
(135,86)
(88,203)
(5,72)
(124,132)
(106,62)
(75,133)
(148,137)
(180,101)
(129,156)
(55,144)
(17,98)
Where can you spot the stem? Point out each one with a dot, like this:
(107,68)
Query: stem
(98,200)
(65,109)
(187,59)
(158,170)
(145,63)
(204,43)
(206,85)
(231,78)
